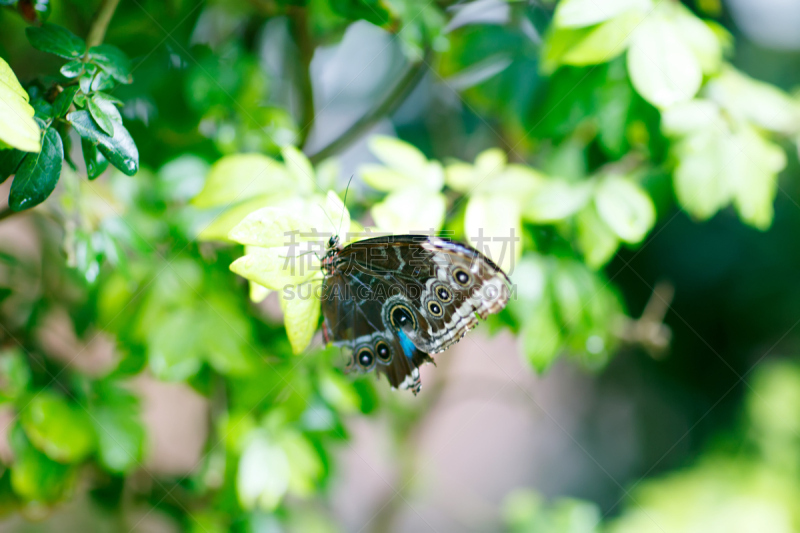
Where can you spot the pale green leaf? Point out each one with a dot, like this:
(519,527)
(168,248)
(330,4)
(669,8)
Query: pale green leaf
(284,225)
(558,42)
(299,168)
(408,211)
(625,208)
(699,180)
(754,101)
(399,155)
(700,37)
(606,41)
(239,177)
(263,475)
(556,200)
(301,309)
(258,292)
(688,117)
(18,129)
(579,13)
(595,239)
(662,67)
(275,268)
(218,228)
(461,177)
(754,165)
(492,225)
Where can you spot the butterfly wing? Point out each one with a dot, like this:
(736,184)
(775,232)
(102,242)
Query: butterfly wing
(406,297)
(355,323)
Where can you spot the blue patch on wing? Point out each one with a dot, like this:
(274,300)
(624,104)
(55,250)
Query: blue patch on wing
(406,344)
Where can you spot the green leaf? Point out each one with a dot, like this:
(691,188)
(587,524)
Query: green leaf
(120,150)
(18,129)
(410,210)
(73,69)
(56,40)
(701,186)
(112,60)
(662,67)
(301,309)
(305,466)
(407,161)
(556,200)
(96,164)
(271,268)
(64,100)
(596,240)
(15,375)
(174,357)
(34,476)
(236,178)
(299,168)
(754,164)
(580,13)
(9,162)
(38,174)
(605,42)
(263,475)
(700,37)
(120,435)
(625,208)
(373,11)
(541,337)
(100,117)
(58,428)
(491,221)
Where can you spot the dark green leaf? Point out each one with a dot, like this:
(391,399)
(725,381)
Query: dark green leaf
(73,69)
(372,11)
(112,60)
(9,162)
(96,164)
(38,174)
(60,429)
(5,292)
(120,150)
(64,100)
(100,117)
(56,40)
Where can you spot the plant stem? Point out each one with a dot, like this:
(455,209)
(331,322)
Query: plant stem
(97,32)
(298,17)
(386,107)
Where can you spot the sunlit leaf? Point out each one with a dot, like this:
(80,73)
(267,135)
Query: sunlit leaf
(263,475)
(236,178)
(299,168)
(605,42)
(662,67)
(301,310)
(625,208)
(275,268)
(61,430)
(596,240)
(17,127)
(492,225)
(556,200)
(408,211)
(579,13)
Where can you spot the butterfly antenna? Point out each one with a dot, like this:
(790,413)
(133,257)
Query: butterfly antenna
(326,215)
(344,203)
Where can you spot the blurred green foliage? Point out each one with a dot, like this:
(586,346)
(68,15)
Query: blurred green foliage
(581,130)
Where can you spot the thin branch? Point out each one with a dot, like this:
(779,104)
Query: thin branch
(298,18)
(386,107)
(102,18)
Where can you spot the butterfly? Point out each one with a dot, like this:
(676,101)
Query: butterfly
(393,301)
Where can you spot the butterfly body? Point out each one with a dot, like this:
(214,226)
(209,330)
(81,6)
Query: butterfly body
(394,300)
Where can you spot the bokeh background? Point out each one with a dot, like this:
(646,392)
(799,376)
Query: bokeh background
(145,387)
